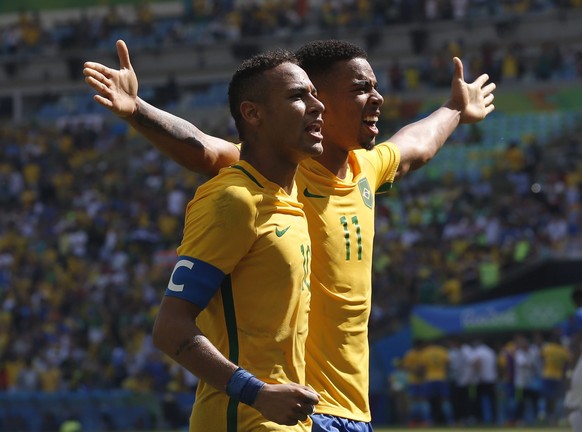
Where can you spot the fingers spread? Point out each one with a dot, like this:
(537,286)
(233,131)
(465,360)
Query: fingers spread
(482,80)
(488,89)
(98,67)
(99,85)
(93,83)
(103,101)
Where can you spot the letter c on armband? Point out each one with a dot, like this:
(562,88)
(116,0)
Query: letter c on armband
(182,263)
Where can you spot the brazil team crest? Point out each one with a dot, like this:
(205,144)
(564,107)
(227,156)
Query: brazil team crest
(366,192)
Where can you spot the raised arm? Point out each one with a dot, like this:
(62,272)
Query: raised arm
(420,141)
(176,334)
(179,139)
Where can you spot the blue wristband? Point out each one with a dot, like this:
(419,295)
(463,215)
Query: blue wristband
(244,386)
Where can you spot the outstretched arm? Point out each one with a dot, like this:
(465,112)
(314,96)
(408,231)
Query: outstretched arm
(180,140)
(420,141)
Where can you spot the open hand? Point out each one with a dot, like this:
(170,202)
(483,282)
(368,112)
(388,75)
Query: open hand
(116,89)
(474,100)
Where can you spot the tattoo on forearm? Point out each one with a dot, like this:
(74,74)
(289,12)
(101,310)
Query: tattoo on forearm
(172,127)
(187,345)
(148,120)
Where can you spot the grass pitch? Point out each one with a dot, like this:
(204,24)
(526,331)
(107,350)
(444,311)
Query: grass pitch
(461,429)
(478,429)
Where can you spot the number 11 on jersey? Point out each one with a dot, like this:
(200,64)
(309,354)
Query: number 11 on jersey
(346,225)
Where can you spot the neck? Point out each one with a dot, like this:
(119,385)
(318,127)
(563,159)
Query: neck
(335,159)
(281,172)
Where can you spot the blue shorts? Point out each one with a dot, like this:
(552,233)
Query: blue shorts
(329,423)
(552,389)
(417,390)
(436,389)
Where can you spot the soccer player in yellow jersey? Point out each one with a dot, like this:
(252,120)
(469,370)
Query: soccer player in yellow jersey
(411,362)
(236,307)
(573,399)
(434,362)
(555,361)
(337,190)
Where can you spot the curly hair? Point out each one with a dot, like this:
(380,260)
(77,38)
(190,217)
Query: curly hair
(318,57)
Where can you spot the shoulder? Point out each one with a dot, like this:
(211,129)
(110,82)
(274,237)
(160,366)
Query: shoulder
(382,162)
(228,193)
(381,150)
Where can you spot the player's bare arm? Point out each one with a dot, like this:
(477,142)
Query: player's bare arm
(179,139)
(175,333)
(420,141)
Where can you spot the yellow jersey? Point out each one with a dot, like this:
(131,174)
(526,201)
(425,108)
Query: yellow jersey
(340,214)
(434,361)
(411,363)
(249,242)
(555,358)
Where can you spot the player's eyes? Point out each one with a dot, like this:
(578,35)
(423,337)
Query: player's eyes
(365,86)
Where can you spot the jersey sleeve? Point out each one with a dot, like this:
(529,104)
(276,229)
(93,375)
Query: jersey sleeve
(219,230)
(385,157)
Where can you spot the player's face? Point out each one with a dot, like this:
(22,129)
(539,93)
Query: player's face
(292,113)
(352,105)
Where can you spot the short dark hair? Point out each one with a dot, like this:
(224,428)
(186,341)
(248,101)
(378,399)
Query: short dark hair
(577,295)
(318,57)
(246,82)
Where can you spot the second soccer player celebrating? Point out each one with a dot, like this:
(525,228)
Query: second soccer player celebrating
(337,190)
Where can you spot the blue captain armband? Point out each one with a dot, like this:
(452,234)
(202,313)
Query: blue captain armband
(244,386)
(194,281)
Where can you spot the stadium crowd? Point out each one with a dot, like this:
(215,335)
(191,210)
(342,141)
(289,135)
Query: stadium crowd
(437,243)
(91,217)
(89,234)
(230,20)
(203,23)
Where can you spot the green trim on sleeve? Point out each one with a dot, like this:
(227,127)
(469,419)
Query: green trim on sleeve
(384,187)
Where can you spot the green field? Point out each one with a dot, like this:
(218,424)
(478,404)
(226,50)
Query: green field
(469,429)
(478,429)
(465,428)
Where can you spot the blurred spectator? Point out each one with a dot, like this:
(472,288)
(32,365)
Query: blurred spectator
(398,388)
(525,375)
(434,362)
(485,367)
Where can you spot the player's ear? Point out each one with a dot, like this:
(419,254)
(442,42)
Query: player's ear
(250,112)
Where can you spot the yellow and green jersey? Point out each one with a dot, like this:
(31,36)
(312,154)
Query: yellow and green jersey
(555,358)
(245,260)
(434,361)
(340,214)
(411,362)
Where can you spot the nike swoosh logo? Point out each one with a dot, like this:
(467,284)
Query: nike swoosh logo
(281,232)
(312,195)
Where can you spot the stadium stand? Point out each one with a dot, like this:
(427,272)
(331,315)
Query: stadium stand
(91,213)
